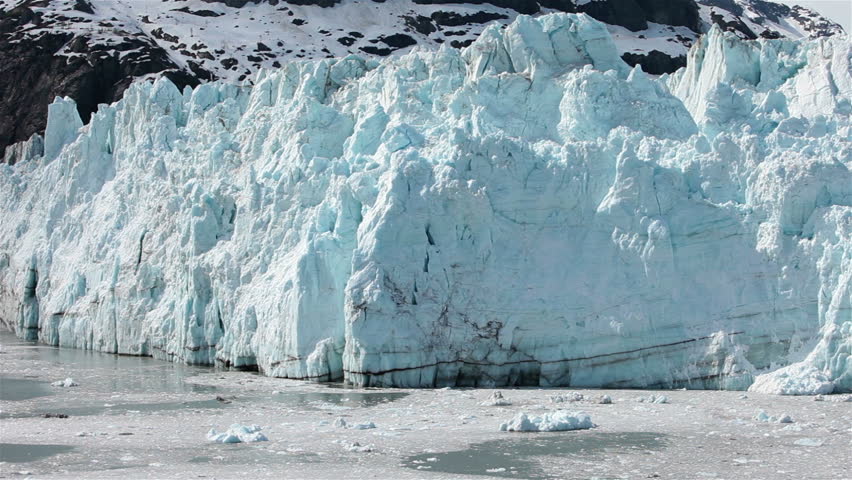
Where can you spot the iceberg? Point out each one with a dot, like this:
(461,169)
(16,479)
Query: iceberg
(558,421)
(496,400)
(68,382)
(237,433)
(526,211)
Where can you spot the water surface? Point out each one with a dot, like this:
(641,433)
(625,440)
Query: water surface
(23,453)
(520,455)
(360,399)
(117,409)
(106,371)
(17,389)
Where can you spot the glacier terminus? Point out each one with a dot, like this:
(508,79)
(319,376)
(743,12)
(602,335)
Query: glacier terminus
(526,211)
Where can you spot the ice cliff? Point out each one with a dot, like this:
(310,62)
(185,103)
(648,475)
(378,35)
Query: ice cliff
(526,211)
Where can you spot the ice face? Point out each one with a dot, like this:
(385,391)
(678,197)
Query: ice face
(63,124)
(526,211)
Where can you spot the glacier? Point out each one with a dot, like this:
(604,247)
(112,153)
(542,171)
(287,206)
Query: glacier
(526,211)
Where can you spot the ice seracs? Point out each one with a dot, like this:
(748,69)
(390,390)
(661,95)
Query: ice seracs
(526,211)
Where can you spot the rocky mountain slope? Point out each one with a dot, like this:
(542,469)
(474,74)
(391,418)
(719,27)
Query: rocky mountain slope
(91,50)
(529,210)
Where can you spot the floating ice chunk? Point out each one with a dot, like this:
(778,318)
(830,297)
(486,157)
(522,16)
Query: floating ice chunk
(557,421)
(68,382)
(762,416)
(605,400)
(341,423)
(819,398)
(496,400)
(653,399)
(237,433)
(363,426)
(357,447)
(809,442)
(566,397)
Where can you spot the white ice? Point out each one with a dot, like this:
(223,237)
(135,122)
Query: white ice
(762,416)
(68,382)
(496,400)
(237,433)
(557,421)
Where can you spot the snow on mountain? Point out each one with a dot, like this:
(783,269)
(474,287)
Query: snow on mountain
(90,50)
(529,210)
(231,42)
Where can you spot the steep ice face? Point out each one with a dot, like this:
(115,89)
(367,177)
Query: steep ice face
(529,211)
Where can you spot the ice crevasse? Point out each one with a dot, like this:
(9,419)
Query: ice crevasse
(526,211)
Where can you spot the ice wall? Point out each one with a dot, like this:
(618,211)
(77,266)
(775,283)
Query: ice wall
(528,211)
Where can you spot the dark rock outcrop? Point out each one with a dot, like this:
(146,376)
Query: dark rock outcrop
(631,14)
(36,69)
(655,62)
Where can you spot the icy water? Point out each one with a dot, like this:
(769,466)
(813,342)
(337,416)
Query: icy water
(129,375)
(134,417)
(520,456)
(15,389)
(347,399)
(116,409)
(22,453)
(137,373)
